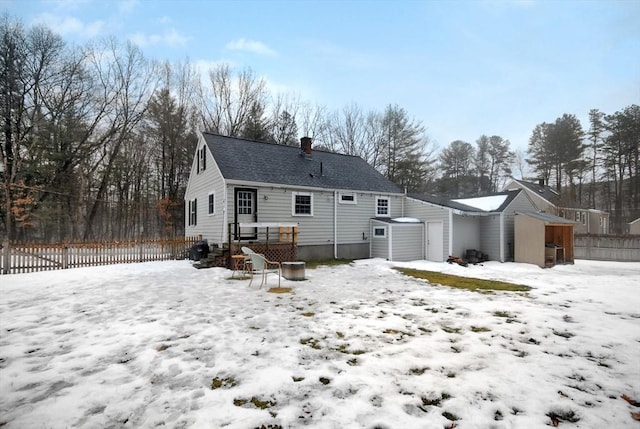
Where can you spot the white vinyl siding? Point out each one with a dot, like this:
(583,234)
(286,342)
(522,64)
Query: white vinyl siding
(200,185)
(427,212)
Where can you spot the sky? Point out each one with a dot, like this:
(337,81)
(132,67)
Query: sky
(461,68)
(355,346)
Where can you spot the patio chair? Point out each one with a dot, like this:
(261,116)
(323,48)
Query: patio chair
(260,265)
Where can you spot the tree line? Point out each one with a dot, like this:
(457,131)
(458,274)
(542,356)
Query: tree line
(98,140)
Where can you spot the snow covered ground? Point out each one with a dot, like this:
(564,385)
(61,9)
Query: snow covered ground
(162,344)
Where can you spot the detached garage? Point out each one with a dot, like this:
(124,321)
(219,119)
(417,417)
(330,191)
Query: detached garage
(543,239)
(400,239)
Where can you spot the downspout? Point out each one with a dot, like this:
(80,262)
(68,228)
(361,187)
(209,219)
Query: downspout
(390,241)
(335,224)
(502,259)
(225,223)
(450,250)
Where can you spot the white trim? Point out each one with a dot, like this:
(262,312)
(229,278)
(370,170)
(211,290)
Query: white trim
(501,220)
(293,203)
(247,183)
(335,226)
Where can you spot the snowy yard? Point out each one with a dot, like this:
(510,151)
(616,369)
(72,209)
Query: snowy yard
(161,344)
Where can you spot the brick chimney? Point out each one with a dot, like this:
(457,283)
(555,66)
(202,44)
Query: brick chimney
(305,145)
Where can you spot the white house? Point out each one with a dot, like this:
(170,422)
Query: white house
(330,196)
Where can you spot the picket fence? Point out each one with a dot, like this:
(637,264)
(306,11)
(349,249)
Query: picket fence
(17,257)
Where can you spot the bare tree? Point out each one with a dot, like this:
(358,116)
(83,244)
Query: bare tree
(227,104)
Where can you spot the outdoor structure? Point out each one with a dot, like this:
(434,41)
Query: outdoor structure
(330,197)
(634,227)
(543,239)
(484,224)
(547,200)
(400,239)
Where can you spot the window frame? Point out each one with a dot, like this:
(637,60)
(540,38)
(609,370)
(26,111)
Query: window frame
(378,228)
(193,212)
(295,204)
(377,206)
(354,195)
(211,203)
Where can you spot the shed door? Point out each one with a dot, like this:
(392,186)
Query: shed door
(246,212)
(434,241)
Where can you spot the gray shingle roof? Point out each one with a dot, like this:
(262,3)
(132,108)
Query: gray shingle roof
(543,191)
(254,161)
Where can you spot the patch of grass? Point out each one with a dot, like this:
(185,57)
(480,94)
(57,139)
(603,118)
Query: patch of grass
(352,362)
(450,416)
(256,402)
(502,314)
(468,283)
(297,379)
(418,371)
(450,330)
(311,342)
(309,314)
(478,329)
(226,383)
(564,334)
(313,264)
(324,380)
(435,401)
(279,290)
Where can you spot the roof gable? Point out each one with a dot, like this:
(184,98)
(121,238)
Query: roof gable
(541,191)
(492,203)
(255,161)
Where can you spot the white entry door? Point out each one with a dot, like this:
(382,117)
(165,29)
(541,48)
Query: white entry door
(435,241)
(246,212)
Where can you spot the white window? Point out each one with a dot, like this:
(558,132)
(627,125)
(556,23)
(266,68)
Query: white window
(382,207)
(193,212)
(380,232)
(348,198)
(302,204)
(212,203)
(577,216)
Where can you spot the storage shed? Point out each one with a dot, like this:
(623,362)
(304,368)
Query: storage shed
(400,239)
(543,239)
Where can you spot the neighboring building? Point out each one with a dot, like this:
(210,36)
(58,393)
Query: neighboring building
(634,227)
(331,196)
(547,200)
(484,223)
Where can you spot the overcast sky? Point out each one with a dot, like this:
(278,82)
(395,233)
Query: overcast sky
(462,68)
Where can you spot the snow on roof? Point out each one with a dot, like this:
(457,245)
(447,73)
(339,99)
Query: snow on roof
(407,220)
(488,204)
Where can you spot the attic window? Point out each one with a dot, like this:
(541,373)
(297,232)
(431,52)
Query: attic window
(202,159)
(348,198)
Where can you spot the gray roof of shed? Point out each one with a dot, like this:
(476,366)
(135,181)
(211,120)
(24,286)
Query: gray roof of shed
(255,161)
